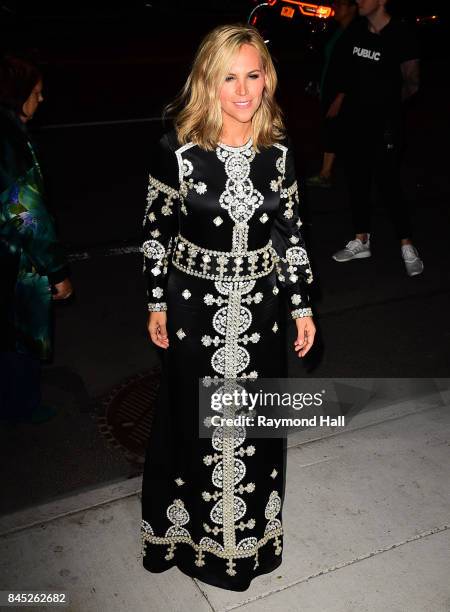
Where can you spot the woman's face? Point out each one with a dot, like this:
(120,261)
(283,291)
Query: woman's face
(33,101)
(241,92)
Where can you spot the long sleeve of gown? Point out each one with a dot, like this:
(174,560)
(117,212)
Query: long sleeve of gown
(160,222)
(293,267)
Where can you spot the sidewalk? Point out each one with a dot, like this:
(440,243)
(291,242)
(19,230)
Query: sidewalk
(366,516)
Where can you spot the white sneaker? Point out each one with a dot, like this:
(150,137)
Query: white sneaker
(414,265)
(355,249)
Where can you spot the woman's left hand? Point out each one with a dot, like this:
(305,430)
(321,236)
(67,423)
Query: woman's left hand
(306,330)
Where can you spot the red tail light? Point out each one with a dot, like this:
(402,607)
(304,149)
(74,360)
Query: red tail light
(312,10)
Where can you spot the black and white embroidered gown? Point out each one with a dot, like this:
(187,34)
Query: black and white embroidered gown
(222,251)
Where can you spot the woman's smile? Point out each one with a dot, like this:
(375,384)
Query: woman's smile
(243,104)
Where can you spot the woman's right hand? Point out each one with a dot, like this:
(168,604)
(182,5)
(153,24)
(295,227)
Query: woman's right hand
(157,329)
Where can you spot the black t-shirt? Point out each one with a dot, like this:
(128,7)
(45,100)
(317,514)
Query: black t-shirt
(370,66)
(332,78)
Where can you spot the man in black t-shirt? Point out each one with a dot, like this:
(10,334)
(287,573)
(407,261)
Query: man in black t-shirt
(345,11)
(379,70)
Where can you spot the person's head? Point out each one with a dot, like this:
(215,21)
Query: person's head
(20,86)
(233,80)
(345,11)
(370,8)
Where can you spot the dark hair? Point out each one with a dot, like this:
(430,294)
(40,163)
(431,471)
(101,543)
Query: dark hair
(18,78)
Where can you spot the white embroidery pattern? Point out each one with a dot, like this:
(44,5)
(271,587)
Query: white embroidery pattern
(291,195)
(301,312)
(157,306)
(154,189)
(273,507)
(230,360)
(229,471)
(179,516)
(186,169)
(297,256)
(223,265)
(280,165)
(155,251)
(240,199)
(181,333)
(159,256)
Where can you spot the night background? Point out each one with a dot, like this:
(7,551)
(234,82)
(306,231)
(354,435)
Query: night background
(108,72)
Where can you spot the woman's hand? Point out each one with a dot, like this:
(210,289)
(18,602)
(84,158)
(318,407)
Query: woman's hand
(64,290)
(157,329)
(306,330)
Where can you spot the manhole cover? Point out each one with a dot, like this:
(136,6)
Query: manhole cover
(126,414)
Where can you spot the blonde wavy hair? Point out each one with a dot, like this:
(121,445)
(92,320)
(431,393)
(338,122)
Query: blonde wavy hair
(197,109)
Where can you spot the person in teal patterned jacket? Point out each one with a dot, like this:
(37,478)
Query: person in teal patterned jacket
(32,261)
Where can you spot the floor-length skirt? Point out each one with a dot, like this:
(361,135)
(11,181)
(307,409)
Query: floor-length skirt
(213,506)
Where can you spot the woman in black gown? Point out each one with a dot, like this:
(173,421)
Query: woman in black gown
(223,251)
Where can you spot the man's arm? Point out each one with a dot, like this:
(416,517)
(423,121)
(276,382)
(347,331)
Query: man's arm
(411,78)
(335,107)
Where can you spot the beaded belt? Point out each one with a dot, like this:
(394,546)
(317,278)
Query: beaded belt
(222,265)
